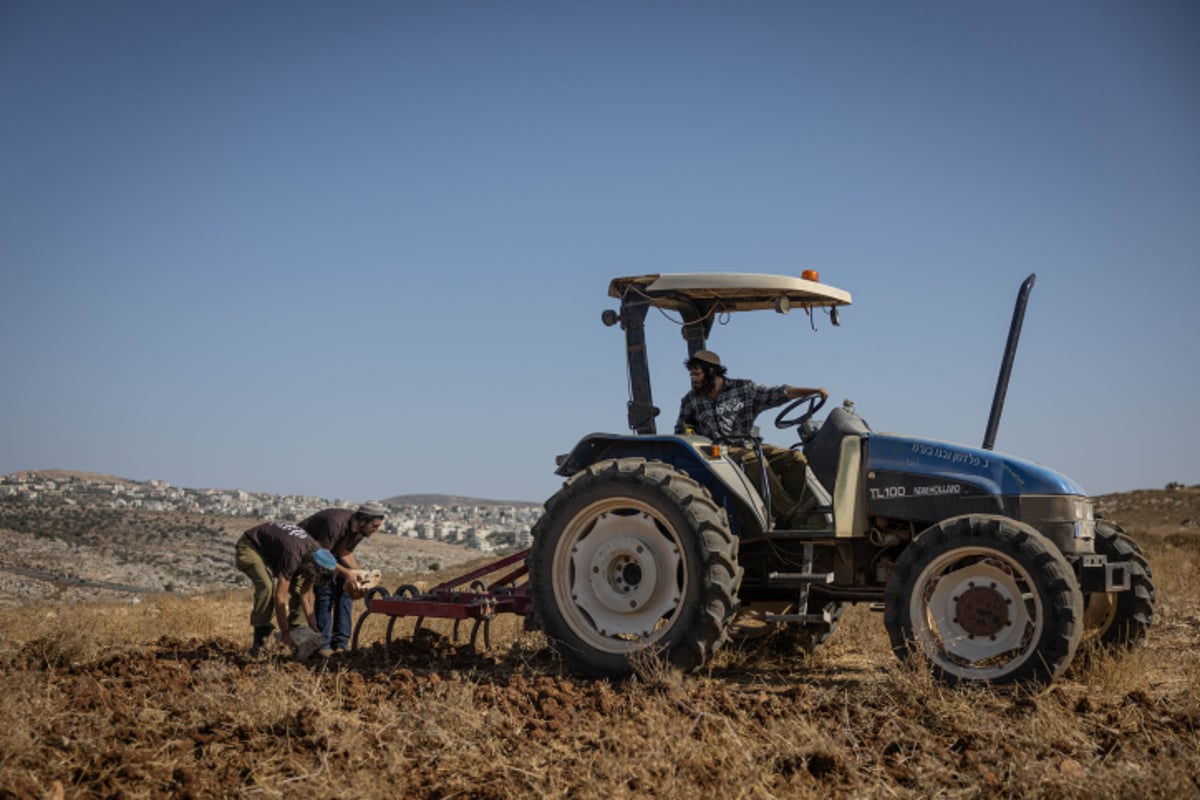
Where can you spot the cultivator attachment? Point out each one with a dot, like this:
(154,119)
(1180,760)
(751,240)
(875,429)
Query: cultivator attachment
(478,596)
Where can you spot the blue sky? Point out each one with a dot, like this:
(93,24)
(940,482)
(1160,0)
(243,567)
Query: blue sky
(361,249)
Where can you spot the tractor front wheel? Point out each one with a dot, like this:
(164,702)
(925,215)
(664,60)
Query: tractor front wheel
(633,556)
(985,598)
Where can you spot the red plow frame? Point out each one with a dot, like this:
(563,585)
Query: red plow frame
(476,596)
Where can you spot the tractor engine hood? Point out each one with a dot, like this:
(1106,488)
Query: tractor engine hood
(923,480)
(940,467)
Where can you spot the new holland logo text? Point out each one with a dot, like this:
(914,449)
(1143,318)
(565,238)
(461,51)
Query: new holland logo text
(893,492)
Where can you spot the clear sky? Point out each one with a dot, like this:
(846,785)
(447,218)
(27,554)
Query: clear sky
(361,249)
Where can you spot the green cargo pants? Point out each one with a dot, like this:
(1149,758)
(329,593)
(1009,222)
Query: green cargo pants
(250,561)
(785,475)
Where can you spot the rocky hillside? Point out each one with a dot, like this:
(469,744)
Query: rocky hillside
(1159,512)
(75,552)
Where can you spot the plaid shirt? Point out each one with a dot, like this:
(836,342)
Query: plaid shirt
(730,417)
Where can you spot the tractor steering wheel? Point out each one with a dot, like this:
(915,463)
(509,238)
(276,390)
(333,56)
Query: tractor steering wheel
(815,401)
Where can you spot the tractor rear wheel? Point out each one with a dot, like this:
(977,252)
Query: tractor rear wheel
(1120,619)
(985,598)
(633,556)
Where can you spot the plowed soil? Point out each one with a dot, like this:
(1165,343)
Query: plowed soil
(100,706)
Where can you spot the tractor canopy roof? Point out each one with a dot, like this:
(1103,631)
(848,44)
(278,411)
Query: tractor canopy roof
(729,291)
(700,298)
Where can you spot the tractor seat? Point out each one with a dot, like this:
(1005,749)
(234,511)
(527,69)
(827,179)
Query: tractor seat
(824,448)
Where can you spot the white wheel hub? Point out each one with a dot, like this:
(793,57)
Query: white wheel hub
(625,574)
(975,611)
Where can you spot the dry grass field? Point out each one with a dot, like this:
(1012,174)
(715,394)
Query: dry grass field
(161,699)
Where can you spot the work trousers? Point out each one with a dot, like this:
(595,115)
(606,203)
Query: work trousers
(785,475)
(335,609)
(262,614)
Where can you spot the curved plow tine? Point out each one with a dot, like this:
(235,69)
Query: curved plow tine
(404,590)
(486,624)
(446,601)
(375,592)
(358,627)
(388,637)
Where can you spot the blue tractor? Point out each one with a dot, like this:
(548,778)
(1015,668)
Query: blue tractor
(988,567)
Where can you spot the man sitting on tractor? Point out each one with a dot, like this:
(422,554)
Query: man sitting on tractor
(724,409)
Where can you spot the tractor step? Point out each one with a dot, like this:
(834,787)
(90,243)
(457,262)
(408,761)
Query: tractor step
(808,619)
(784,579)
(817,536)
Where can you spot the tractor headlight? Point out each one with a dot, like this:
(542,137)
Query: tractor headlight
(1085,520)
(1066,520)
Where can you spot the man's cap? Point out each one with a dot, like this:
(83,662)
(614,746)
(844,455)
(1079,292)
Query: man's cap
(325,560)
(705,357)
(372,509)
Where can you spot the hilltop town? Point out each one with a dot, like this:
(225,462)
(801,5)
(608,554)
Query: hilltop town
(71,536)
(484,525)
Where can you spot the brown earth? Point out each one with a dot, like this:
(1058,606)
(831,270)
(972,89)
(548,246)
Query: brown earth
(162,699)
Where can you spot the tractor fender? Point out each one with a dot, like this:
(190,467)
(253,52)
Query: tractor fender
(849,494)
(694,455)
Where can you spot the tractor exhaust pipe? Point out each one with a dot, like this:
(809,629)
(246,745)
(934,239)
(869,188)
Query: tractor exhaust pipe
(1010,352)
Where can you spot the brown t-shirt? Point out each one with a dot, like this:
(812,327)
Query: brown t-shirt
(331,528)
(282,546)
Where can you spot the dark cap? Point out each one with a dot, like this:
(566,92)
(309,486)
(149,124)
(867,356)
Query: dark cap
(704,357)
(372,509)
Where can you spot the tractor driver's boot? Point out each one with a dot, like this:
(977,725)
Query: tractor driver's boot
(262,634)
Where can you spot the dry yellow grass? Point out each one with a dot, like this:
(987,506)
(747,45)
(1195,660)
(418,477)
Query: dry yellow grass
(161,699)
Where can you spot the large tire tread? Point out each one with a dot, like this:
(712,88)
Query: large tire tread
(703,629)
(1064,604)
(1134,611)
